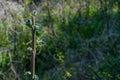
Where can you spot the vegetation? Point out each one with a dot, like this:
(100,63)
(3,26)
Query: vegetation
(75,39)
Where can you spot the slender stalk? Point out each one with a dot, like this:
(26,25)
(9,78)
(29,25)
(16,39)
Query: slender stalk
(33,49)
(50,23)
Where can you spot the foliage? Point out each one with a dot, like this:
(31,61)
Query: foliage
(76,40)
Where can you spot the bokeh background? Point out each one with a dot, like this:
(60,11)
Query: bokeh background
(76,39)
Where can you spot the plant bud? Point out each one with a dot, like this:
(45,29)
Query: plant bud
(37,27)
(34,12)
(29,23)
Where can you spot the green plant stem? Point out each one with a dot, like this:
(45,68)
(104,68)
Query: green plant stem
(33,49)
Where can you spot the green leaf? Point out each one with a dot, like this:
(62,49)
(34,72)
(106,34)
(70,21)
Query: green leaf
(27,1)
